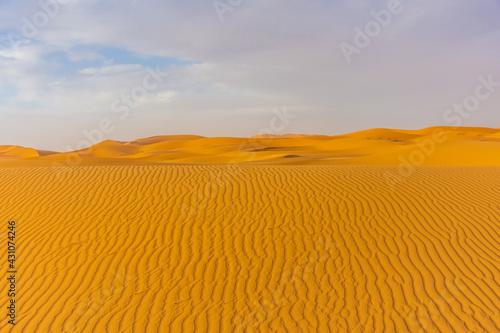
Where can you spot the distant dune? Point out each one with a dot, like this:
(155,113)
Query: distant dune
(446,146)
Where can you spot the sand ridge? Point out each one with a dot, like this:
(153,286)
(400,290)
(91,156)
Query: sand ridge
(254,248)
(433,146)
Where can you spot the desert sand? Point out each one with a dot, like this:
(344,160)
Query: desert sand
(436,146)
(266,234)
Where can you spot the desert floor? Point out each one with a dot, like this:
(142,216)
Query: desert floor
(254,248)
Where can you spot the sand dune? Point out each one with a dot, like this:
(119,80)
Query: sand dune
(254,248)
(467,146)
(374,231)
(17,152)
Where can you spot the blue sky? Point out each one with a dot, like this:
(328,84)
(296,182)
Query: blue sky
(64,64)
(98,56)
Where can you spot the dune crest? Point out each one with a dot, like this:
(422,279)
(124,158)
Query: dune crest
(464,146)
(17,152)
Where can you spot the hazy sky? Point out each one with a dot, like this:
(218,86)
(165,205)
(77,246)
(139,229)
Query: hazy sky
(70,66)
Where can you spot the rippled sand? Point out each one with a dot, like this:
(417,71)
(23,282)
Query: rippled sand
(254,248)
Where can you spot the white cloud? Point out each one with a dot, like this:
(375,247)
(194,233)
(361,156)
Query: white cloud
(114,69)
(166,95)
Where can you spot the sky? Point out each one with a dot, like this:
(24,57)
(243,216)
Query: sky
(75,72)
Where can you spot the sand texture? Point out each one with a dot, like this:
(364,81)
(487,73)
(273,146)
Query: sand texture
(254,248)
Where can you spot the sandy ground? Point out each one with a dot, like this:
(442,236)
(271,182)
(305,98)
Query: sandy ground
(254,248)
(375,231)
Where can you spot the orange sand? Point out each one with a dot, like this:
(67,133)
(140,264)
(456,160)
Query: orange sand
(131,241)
(438,146)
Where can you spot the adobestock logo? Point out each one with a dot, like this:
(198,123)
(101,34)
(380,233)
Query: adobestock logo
(31,26)
(152,80)
(471,103)
(372,29)
(221,7)
(453,117)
